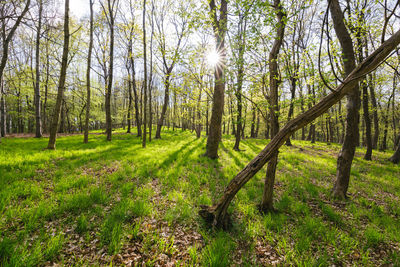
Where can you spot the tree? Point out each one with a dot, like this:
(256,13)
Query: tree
(89,61)
(6,36)
(110,13)
(168,65)
(61,81)
(396,156)
(145,76)
(217,214)
(267,201)
(346,154)
(219,27)
(38,121)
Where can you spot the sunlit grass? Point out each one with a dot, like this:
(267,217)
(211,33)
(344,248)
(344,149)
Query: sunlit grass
(118,193)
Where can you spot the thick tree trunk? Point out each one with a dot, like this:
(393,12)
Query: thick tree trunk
(217,214)
(350,141)
(396,156)
(61,82)
(220,26)
(267,199)
(89,60)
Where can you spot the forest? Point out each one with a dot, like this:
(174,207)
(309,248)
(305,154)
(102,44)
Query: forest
(199,133)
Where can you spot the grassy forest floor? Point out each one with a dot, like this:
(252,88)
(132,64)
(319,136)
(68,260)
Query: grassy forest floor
(103,202)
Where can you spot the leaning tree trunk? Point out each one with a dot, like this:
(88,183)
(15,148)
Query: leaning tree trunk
(89,60)
(217,214)
(61,82)
(346,154)
(267,199)
(220,26)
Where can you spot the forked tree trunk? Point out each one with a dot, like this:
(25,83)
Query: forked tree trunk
(267,199)
(61,82)
(89,60)
(217,214)
(350,141)
(220,26)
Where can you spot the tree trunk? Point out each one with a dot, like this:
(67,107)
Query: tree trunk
(375,112)
(165,104)
(217,214)
(267,199)
(89,60)
(396,156)
(38,118)
(2,113)
(220,27)
(111,19)
(145,76)
(61,82)
(346,154)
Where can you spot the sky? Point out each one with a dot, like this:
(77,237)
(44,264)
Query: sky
(79,8)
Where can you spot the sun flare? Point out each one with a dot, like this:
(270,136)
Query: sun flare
(213,58)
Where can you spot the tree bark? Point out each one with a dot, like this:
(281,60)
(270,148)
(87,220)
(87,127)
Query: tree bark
(220,27)
(346,154)
(267,199)
(217,214)
(110,19)
(145,76)
(61,82)
(38,121)
(396,156)
(89,61)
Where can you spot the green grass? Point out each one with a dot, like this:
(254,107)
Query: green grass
(117,202)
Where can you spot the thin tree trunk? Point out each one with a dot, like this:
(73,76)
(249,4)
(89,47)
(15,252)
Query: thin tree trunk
(89,60)
(111,19)
(61,82)
(145,76)
(38,121)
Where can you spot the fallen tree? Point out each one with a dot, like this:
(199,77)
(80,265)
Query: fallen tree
(217,214)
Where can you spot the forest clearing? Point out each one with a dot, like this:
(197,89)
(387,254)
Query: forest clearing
(199,133)
(101,202)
